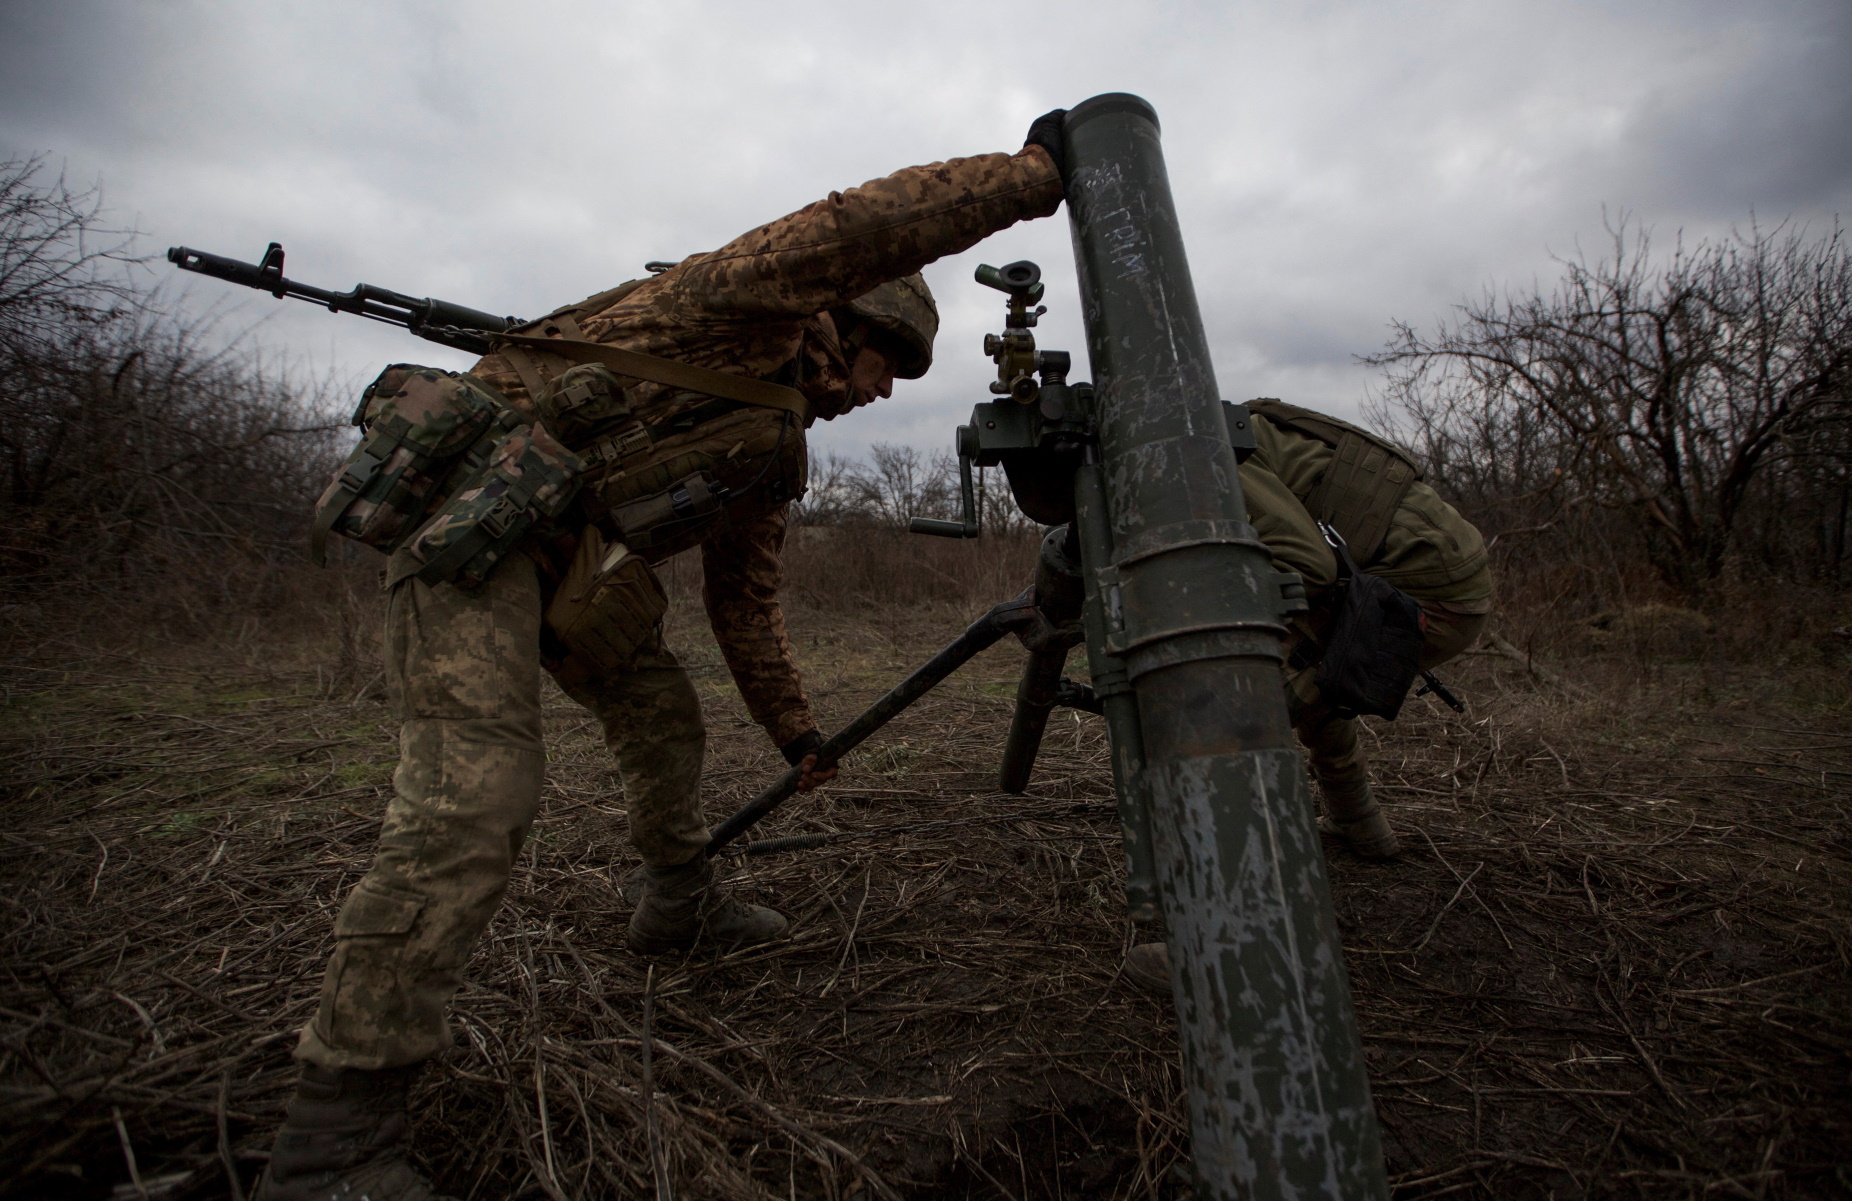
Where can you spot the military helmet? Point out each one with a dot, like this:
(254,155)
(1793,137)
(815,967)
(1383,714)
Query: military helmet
(903,309)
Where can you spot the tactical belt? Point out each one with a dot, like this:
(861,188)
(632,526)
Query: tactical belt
(636,438)
(528,353)
(1365,483)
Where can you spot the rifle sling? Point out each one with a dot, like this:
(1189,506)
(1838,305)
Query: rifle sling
(668,372)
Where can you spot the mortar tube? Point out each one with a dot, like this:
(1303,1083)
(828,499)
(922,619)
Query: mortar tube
(1273,1064)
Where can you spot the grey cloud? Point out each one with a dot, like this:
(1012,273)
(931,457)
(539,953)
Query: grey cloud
(1774,133)
(1335,165)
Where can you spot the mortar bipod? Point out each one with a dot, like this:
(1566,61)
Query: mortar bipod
(1058,592)
(1020,617)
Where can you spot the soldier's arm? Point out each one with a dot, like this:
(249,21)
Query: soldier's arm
(1287,528)
(830,252)
(741,572)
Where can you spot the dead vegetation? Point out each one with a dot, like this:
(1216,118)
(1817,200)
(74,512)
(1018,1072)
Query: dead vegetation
(1613,962)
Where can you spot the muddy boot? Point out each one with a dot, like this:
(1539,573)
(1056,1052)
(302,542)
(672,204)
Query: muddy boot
(1148,966)
(340,1140)
(684,903)
(1361,824)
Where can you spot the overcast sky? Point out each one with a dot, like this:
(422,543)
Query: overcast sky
(1337,165)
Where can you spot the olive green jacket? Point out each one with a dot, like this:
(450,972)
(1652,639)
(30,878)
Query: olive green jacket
(1430,552)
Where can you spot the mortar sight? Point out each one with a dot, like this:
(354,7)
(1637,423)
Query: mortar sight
(1022,280)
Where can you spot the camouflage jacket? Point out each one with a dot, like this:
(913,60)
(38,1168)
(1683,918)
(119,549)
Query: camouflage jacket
(1430,552)
(759,306)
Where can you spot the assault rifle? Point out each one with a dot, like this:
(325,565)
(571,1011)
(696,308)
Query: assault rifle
(437,321)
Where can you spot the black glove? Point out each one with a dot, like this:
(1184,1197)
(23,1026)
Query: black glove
(1046,133)
(807,743)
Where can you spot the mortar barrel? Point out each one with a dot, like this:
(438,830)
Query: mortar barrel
(1279,1098)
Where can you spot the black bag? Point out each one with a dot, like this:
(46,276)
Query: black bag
(1373,651)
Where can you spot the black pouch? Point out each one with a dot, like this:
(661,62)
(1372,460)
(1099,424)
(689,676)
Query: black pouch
(1373,651)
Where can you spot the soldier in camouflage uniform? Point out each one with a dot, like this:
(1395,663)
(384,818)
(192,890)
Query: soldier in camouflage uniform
(810,300)
(1428,550)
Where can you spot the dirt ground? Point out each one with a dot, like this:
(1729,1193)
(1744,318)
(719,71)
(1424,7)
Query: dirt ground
(1612,962)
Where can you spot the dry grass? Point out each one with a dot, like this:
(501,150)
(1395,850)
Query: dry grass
(1613,962)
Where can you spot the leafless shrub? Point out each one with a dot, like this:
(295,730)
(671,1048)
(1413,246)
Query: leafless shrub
(849,546)
(899,483)
(1694,411)
(59,261)
(135,461)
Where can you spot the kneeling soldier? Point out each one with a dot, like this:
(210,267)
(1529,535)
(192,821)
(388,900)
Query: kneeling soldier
(1307,468)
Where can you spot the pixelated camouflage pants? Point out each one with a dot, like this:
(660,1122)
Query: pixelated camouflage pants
(1338,761)
(463,670)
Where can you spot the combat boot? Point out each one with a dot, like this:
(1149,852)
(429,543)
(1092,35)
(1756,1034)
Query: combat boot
(1361,824)
(340,1140)
(1148,966)
(685,903)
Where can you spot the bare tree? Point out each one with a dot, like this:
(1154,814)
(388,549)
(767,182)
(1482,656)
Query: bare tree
(1680,395)
(830,495)
(899,483)
(129,449)
(59,262)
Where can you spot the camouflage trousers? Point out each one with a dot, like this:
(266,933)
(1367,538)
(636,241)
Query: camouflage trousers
(463,670)
(1338,761)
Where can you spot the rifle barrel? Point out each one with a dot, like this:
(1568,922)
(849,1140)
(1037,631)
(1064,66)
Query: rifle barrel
(439,321)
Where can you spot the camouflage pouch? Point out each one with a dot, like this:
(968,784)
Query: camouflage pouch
(528,478)
(424,431)
(607,605)
(588,403)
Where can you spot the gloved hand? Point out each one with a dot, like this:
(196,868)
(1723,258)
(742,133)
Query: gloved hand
(807,743)
(802,752)
(1045,132)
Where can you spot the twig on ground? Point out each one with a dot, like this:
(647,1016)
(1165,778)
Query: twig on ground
(650,1130)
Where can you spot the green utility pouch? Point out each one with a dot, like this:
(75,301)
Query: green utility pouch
(1368,477)
(656,518)
(425,431)
(670,499)
(528,478)
(587,405)
(718,450)
(607,606)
